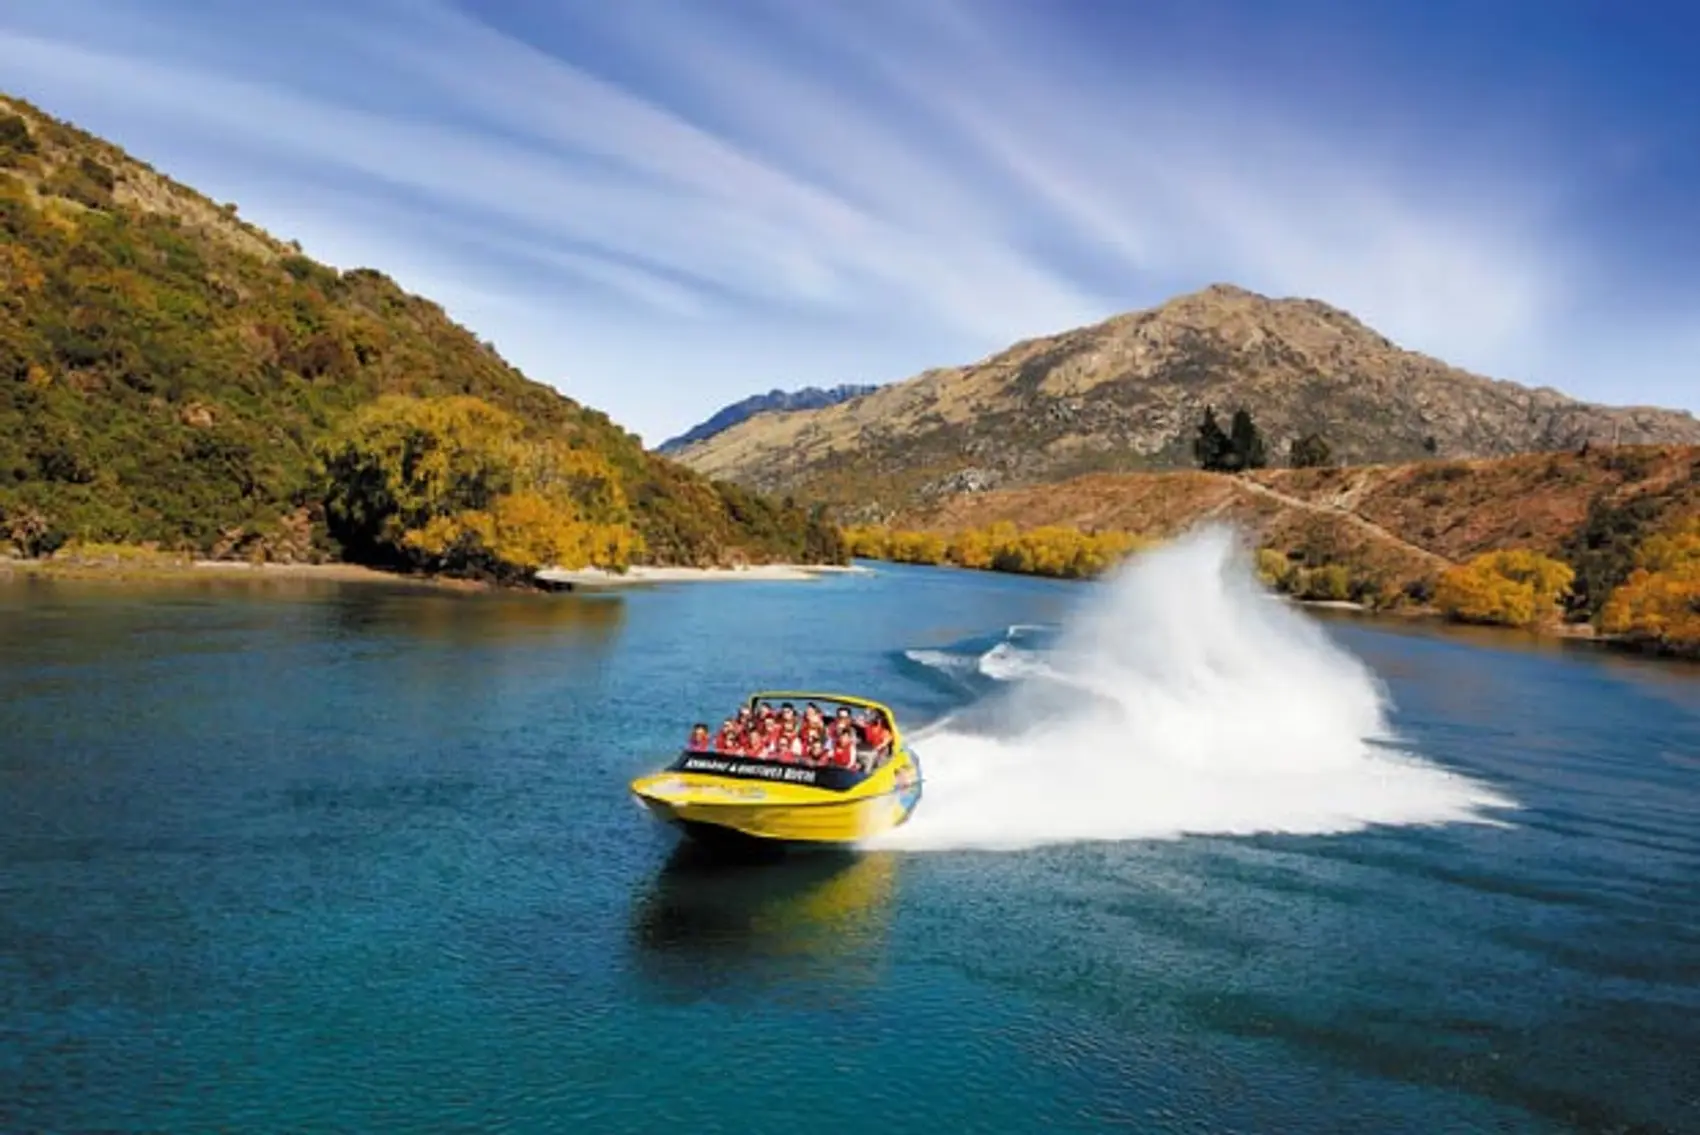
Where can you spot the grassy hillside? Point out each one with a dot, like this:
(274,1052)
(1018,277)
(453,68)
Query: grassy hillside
(1395,529)
(167,372)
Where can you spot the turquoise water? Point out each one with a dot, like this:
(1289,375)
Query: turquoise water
(360,858)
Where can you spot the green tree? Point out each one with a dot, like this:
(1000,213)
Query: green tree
(1310,452)
(456,485)
(1604,548)
(16,141)
(1246,443)
(1212,448)
(31,532)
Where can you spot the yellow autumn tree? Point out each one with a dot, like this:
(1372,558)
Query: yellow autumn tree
(1659,604)
(868,541)
(458,486)
(917,547)
(1274,569)
(1052,550)
(971,549)
(1513,588)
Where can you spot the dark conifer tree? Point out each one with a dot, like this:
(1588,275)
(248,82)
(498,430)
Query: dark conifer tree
(1211,448)
(1246,443)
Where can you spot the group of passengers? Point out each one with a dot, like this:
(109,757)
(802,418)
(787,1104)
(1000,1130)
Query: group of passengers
(809,738)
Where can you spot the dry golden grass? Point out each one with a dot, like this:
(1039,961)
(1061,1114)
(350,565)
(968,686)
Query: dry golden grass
(1394,523)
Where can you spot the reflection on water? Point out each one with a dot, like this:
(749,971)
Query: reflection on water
(713,922)
(83,620)
(479,618)
(1465,634)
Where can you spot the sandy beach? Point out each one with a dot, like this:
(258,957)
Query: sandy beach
(639,575)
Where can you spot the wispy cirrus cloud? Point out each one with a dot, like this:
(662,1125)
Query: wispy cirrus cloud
(661,205)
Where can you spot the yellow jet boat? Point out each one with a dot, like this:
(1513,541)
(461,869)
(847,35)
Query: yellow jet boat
(712,794)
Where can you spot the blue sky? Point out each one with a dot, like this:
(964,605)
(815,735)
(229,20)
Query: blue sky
(661,206)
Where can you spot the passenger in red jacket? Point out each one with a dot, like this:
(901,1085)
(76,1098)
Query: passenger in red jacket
(817,754)
(875,734)
(844,749)
(699,738)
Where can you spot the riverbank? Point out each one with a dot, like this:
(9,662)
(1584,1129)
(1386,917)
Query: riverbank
(595,579)
(131,566)
(118,564)
(1550,631)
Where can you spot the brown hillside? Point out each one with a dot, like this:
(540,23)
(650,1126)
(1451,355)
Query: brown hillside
(1395,523)
(1127,394)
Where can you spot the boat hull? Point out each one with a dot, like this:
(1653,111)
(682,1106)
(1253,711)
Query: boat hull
(712,808)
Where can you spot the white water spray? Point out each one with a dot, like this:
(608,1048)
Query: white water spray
(1185,699)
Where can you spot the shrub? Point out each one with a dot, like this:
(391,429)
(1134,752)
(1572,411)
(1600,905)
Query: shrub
(1604,549)
(1507,588)
(456,485)
(1419,590)
(1329,583)
(1274,569)
(31,532)
(17,144)
(1309,452)
(1659,604)
(1052,550)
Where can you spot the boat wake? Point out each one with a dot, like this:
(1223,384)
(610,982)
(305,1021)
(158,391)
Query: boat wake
(1182,699)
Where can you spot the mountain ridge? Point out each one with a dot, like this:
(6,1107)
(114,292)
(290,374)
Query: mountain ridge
(1127,393)
(775,400)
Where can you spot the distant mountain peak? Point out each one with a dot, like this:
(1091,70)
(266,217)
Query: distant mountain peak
(1128,393)
(775,400)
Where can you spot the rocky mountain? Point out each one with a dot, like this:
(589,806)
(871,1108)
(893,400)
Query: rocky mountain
(781,401)
(1129,393)
(167,369)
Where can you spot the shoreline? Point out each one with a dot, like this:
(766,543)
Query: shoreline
(144,569)
(1553,633)
(166,570)
(640,575)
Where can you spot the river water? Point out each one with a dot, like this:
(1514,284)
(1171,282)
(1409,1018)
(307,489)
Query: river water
(356,857)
